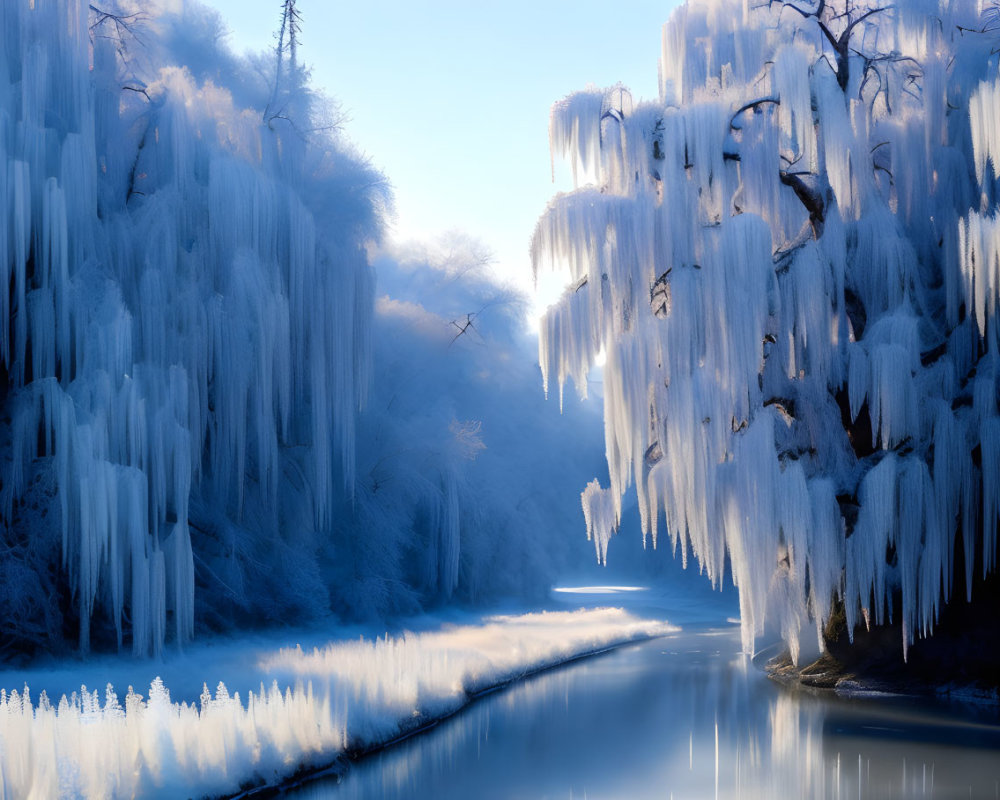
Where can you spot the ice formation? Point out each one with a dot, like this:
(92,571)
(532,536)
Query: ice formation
(454,403)
(189,331)
(179,326)
(792,262)
(312,705)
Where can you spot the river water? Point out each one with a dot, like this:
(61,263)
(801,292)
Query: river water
(685,716)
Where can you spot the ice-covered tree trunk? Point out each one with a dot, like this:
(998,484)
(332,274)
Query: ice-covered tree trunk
(791,260)
(173,323)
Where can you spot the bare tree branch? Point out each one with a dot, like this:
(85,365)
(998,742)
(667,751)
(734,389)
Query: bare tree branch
(755,104)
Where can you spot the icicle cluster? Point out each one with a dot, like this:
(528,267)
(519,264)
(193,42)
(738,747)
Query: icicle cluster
(792,262)
(177,324)
(599,512)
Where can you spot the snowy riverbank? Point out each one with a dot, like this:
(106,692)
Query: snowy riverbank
(300,708)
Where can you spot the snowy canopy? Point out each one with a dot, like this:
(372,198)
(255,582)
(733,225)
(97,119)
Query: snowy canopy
(177,320)
(791,260)
(207,420)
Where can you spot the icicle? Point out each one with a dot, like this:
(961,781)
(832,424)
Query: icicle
(866,547)
(917,525)
(825,553)
(790,80)
(575,132)
(984,118)
(600,516)
(979,249)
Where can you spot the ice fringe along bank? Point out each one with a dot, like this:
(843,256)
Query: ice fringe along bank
(791,260)
(321,703)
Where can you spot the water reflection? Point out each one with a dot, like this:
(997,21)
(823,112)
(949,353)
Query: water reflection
(683,717)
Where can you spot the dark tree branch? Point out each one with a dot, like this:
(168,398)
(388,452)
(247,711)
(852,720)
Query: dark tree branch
(464,326)
(839,43)
(124,27)
(809,197)
(138,90)
(750,106)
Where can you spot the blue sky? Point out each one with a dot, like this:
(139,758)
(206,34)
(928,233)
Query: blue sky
(450,98)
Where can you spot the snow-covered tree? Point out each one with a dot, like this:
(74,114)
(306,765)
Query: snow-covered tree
(792,261)
(464,488)
(193,433)
(185,323)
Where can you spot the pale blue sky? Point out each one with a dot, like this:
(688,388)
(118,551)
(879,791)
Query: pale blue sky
(450,98)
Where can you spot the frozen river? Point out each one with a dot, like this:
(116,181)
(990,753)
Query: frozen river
(684,716)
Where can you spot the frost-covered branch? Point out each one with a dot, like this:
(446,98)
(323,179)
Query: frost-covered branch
(463,326)
(124,26)
(288,80)
(809,196)
(753,105)
(826,18)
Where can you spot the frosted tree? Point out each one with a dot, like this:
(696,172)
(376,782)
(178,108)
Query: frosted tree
(791,262)
(205,420)
(289,80)
(185,329)
(439,515)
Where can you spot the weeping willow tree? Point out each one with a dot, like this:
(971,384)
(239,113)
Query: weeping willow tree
(791,259)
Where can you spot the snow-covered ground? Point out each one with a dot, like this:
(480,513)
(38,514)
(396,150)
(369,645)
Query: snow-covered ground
(293,701)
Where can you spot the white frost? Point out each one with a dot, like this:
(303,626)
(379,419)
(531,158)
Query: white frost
(800,252)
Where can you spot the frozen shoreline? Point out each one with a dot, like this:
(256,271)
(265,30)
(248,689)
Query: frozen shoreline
(342,763)
(827,675)
(324,705)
